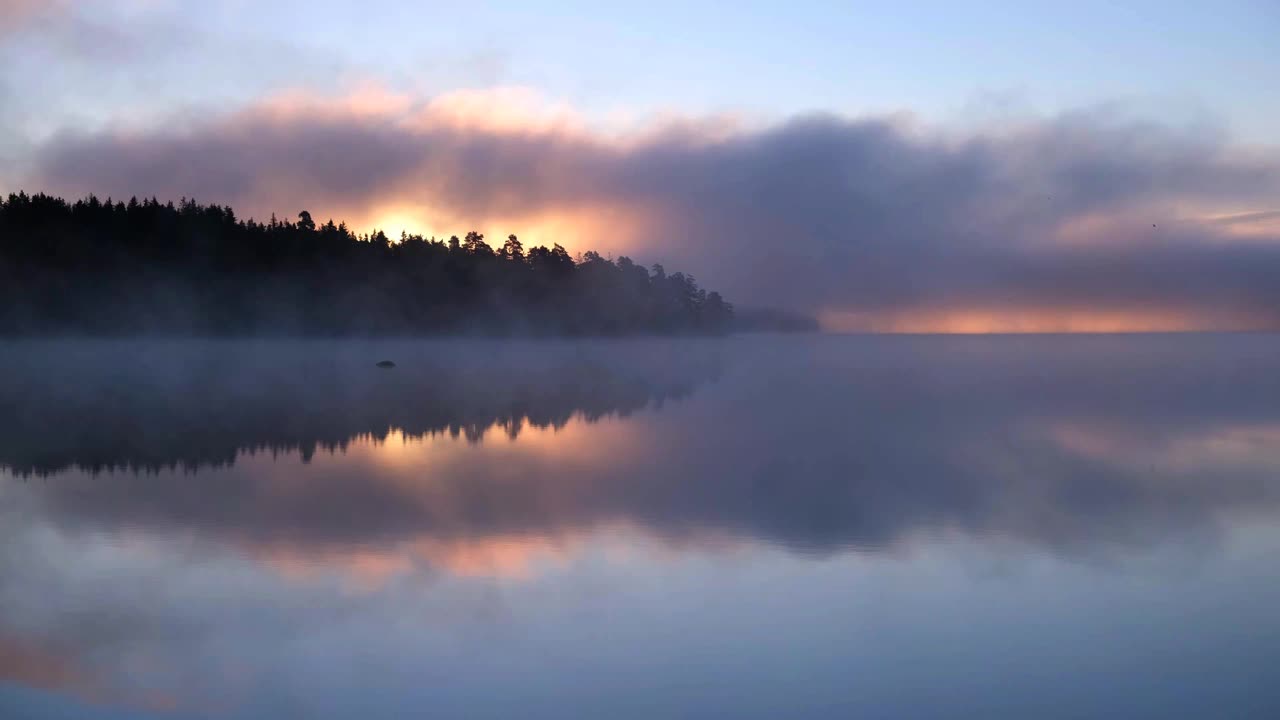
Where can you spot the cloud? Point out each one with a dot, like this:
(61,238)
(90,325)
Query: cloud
(80,31)
(19,14)
(1248,217)
(868,218)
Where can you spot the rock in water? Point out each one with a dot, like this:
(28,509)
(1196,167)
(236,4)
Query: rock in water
(386,364)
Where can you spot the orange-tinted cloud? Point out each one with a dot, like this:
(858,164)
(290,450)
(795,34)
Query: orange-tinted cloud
(1080,212)
(16,14)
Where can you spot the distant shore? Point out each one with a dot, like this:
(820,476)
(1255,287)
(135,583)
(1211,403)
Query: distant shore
(94,268)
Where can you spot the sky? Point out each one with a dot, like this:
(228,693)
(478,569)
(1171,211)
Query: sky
(906,166)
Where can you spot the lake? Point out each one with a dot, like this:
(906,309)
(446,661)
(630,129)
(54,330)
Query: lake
(745,527)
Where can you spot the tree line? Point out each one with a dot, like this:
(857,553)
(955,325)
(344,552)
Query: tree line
(106,268)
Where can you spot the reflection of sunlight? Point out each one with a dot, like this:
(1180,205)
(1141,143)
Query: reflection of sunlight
(577,441)
(431,472)
(1239,447)
(369,568)
(30,665)
(504,557)
(1247,224)
(513,557)
(34,665)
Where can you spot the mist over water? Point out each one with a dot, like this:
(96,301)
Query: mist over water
(751,526)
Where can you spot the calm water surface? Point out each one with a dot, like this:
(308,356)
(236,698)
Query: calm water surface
(815,527)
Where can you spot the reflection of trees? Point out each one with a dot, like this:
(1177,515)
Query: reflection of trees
(1079,443)
(100,406)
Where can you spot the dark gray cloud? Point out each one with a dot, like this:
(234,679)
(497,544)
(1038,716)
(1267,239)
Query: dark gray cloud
(1083,211)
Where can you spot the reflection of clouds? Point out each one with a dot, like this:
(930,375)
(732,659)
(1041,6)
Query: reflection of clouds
(1073,444)
(192,584)
(155,621)
(370,568)
(76,619)
(25,663)
(58,668)
(1237,448)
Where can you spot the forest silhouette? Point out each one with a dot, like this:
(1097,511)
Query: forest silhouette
(114,268)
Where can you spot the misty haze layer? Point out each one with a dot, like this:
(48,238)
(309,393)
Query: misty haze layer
(115,269)
(811,442)
(874,223)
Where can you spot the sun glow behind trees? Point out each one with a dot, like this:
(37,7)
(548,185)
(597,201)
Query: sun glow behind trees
(188,269)
(1012,320)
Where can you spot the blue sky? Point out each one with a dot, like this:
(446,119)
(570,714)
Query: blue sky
(779,57)
(933,58)
(946,62)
